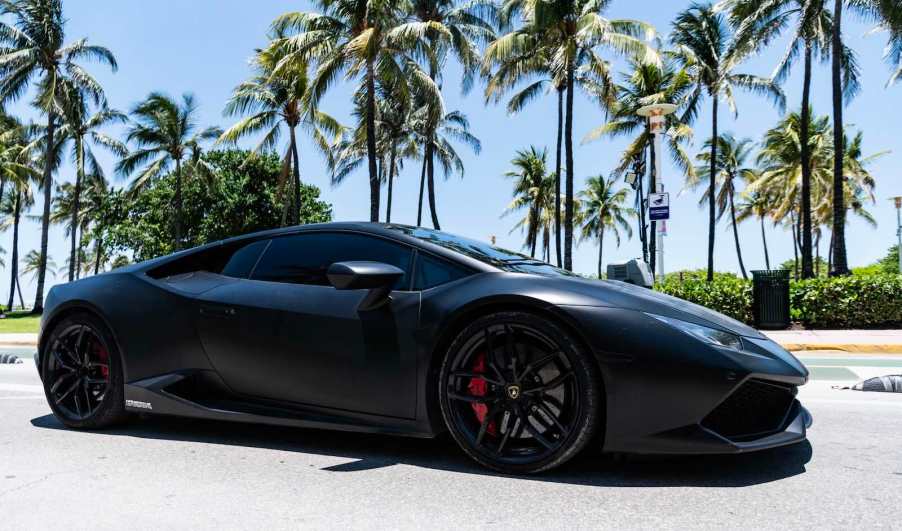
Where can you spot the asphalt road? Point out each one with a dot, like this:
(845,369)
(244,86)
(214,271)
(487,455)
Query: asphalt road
(157,473)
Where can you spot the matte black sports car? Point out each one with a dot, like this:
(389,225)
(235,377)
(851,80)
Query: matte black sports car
(403,330)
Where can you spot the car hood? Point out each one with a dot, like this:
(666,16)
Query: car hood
(629,296)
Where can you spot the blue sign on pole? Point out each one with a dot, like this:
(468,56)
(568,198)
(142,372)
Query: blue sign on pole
(659,206)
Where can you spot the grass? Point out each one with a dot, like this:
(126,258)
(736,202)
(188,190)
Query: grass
(20,322)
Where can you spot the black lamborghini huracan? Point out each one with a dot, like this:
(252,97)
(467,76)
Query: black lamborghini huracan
(403,330)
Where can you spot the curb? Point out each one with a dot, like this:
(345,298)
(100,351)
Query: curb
(22,343)
(851,348)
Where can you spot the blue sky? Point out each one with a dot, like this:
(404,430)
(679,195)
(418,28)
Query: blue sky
(203,46)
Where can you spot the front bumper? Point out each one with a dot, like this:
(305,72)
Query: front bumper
(669,393)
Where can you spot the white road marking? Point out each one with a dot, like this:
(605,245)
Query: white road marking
(22,388)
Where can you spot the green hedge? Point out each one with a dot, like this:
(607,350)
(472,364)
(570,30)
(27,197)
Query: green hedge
(858,301)
(728,294)
(866,301)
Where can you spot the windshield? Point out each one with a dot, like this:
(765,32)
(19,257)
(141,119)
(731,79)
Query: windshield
(489,254)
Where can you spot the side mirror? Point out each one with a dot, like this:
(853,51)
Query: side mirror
(374,276)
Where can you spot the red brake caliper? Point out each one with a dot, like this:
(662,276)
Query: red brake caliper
(105,359)
(479,387)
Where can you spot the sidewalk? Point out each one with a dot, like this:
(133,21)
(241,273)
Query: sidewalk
(18,340)
(854,341)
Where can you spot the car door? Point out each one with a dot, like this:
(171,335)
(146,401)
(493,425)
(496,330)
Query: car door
(284,333)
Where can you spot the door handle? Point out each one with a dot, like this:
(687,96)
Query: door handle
(218,311)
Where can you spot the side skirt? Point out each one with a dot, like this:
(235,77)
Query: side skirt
(160,395)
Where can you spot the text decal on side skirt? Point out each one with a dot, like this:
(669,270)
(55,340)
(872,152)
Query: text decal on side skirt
(137,404)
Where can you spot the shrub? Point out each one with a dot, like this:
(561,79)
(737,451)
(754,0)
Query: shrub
(727,294)
(866,301)
(857,301)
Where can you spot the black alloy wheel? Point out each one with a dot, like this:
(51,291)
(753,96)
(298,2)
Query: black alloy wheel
(81,374)
(518,394)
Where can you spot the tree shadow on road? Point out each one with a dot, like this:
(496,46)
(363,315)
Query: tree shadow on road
(369,451)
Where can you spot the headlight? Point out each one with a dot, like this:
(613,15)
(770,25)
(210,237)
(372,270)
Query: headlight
(708,335)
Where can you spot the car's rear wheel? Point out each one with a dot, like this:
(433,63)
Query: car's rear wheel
(518,394)
(82,373)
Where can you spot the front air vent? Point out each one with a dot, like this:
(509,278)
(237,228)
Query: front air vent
(755,409)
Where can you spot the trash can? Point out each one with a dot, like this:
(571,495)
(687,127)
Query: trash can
(770,298)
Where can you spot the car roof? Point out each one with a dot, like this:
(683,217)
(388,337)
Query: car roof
(392,231)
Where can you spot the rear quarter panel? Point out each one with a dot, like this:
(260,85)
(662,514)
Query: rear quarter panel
(151,322)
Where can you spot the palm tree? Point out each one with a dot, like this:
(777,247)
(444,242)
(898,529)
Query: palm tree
(757,23)
(271,103)
(888,13)
(757,205)
(446,29)
(32,47)
(780,163)
(704,50)
(531,64)
(530,175)
(17,170)
(166,133)
(570,31)
(440,135)
(367,40)
(33,262)
(83,130)
(732,155)
(604,210)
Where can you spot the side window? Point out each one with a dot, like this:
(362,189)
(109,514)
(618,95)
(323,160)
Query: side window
(305,258)
(243,261)
(431,272)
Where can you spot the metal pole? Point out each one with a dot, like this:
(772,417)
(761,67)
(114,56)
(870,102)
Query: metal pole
(661,226)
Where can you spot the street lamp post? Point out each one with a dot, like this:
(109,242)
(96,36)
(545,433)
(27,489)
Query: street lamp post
(657,127)
(898,200)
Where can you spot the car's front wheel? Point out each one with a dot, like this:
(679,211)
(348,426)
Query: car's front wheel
(518,394)
(82,373)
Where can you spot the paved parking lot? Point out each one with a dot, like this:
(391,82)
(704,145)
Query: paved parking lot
(153,473)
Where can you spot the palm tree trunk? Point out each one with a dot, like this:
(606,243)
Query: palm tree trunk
(391,180)
(653,225)
(422,188)
(533,229)
(430,181)
(807,271)
(600,249)
(546,244)
(817,254)
(21,300)
(283,179)
(14,265)
(712,178)
(830,254)
(764,241)
(840,265)
(45,218)
(178,204)
(79,177)
(736,236)
(98,252)
(375,187)
(78,254)
(568,191)
(795,246)
(296,177)
(557,177)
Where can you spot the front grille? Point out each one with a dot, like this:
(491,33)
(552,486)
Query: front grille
(755,409)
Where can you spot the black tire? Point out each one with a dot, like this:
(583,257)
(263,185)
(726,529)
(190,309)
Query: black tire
(80,358)
(526,405)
